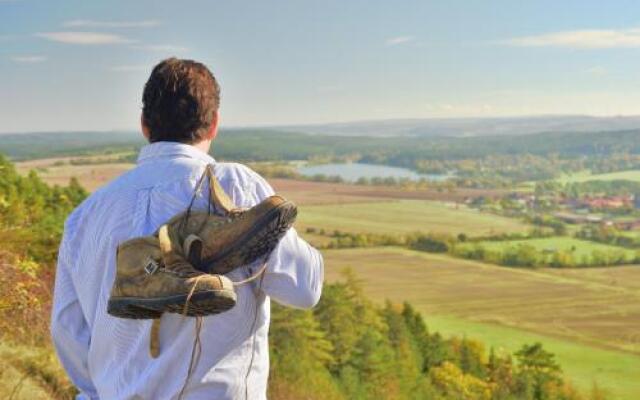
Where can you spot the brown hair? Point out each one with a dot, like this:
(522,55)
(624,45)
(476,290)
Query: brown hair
(179,101)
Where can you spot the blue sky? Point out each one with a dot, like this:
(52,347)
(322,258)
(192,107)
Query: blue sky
(74,65)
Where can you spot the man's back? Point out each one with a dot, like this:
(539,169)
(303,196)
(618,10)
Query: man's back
(109,357)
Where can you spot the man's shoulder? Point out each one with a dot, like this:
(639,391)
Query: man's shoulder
(244,184)
(236,172)
(234,177)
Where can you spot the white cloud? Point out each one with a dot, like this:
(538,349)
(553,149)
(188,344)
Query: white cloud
(31,59)
(162,48)
(394,41)
(129,68)
(84,38)
(89,23)
(581,39)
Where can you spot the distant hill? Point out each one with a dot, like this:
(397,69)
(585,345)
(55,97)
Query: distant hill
(26,145)
(262,144)
(32,145)
(465,127)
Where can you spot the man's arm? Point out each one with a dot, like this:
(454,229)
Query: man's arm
(69,330)
(295,270)
(294,273)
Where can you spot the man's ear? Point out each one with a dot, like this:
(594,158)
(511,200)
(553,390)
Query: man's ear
(144,128)
(213,131)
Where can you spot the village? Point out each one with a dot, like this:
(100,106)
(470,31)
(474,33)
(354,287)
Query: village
(621,212)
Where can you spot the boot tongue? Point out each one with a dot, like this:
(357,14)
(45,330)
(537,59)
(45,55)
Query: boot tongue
(171,252)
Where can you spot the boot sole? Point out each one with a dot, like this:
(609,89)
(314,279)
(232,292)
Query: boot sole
(260,240)
(200,304)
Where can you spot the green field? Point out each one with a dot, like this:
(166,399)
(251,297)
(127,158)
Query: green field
(584,365)
(406,216)
(591,323)
(579,248)
(631,175)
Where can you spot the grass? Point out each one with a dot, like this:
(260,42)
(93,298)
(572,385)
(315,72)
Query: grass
(591,323)
(31,372)
(405,216)
(631,175)
(579,248)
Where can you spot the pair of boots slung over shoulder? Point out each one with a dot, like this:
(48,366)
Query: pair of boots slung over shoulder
(181,267)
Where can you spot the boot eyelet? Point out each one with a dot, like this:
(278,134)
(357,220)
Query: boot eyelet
(151,267)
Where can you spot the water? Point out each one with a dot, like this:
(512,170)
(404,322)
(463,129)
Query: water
(351,172)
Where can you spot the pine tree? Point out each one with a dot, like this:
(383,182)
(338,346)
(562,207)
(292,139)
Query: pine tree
(538,374)
(300,355)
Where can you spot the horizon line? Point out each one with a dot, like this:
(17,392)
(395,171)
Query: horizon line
(345,122)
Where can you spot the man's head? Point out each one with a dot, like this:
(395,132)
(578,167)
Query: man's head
(180,103)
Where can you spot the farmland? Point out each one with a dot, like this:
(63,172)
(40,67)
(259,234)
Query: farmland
(59,170)
(406,216)
(598,315)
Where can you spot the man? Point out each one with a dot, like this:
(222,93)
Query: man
(107,357)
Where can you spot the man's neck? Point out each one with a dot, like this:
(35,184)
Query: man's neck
(203,145)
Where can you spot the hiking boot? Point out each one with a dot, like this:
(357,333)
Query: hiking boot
(219,244)
(153,276)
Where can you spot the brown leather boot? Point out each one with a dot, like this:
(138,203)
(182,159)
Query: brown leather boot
(153,276)
(218,244)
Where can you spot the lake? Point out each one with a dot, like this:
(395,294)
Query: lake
(351,172)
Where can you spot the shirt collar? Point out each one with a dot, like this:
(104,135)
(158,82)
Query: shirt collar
(166,150)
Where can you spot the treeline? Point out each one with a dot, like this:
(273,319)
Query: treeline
(509,255)
(348,348)
(526,255)
(588,188)
(430,242)
(492,161)
(609,235)
(50,144)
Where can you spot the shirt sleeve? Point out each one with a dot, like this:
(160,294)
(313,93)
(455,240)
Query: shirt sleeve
(295,270)
(69,331)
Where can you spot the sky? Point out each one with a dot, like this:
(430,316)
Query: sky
(81,65)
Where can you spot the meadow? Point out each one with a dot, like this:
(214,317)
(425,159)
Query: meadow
(406,216)
(590,323)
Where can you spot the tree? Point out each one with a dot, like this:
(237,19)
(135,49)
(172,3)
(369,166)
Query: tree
(458,385)
(300,355)
(500,375)
(432,347)
(538,373)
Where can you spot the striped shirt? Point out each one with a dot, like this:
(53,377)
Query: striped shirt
(107,357)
